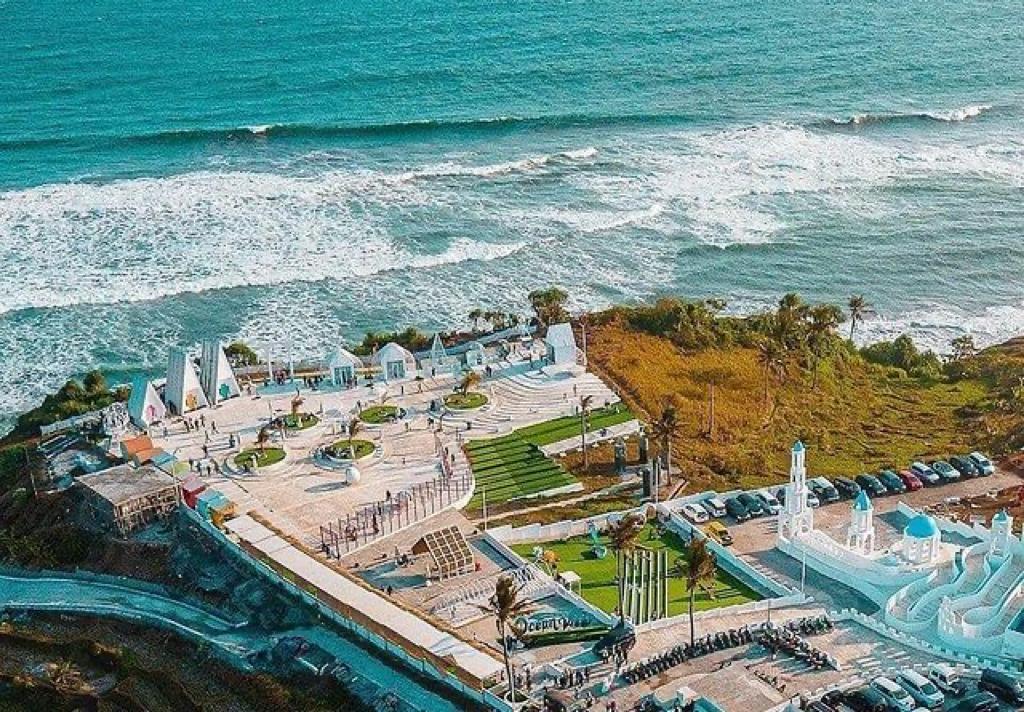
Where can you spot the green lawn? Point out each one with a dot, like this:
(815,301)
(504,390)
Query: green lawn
(514,466)
(377,414)
(300,422)
(467,401)
(598,575)
(269,456)
(362,448)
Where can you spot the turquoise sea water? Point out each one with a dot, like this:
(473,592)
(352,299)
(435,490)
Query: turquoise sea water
(171,171)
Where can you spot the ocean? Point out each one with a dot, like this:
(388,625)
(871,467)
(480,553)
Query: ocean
(301,172)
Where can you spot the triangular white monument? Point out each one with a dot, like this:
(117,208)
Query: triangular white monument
(144,405)
(217,377)
(183,392)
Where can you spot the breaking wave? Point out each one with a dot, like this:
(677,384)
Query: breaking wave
(962,113)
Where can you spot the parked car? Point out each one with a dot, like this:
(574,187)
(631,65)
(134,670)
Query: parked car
(812,499)
(982,463)
(898,698)
(947,472)
(847,487)
(736,509)
(770,502)
(964,466)
(755,507)
(694,512)
(923,690)
(910,480)
(718,532)
(866,699)
(927,475)
(1003,686)
(871,485)
(892,481)
(946,679)
(824,490)
(978,702)
(715,506)
(821,706)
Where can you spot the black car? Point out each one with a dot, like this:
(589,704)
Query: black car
(820,706)
(1003,686)
(865,699)
(846,487)
(964,466)
(780,494)
(826,493)
(978,702)
(871,485)
(754,505)
(892,481)
(736,509)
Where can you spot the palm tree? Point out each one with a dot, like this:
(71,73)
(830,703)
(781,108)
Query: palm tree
(859,308)
(665,428)
(262,438)
(700,571)
(771,356)
(353,428)
(824,320)
(506,606)
(471,379)
(622,539)
(585,402)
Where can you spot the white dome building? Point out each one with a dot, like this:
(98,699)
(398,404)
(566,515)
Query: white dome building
(921,540)
(342,366)
(395,362)
(352,475)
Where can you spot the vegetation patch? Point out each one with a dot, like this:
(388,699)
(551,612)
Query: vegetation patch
(514,466)
(267,456)
(344,450)
(300,421)
(599,585)
(379,414)
(465,401)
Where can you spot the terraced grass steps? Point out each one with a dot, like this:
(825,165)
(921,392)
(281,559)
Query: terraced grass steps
(513,465)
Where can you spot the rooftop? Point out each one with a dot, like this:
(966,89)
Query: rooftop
(124,482)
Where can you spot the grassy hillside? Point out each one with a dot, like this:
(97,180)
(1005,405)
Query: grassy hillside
(856,417)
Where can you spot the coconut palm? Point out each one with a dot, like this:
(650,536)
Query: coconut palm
(622,539)
(353,428)
(859,308)
(665,428)
(505,605)
(700,571)
(772,358)
(471,379)
(585,403)
(824,320)
(262,438)
(65,676)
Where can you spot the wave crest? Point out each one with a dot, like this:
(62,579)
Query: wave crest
(963,113)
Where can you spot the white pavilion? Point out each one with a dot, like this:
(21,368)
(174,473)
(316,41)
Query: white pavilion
(342,366)
(560,344)
(396,363)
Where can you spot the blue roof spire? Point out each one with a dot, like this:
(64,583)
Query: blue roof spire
(862,503)
(798,446)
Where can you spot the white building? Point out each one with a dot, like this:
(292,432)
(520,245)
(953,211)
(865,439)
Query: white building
(1000,545)
(860,536)
(922,541)
(560,344)
(796,517)
(395,362)
(183,392)
(342,367)
(475,355)
(144,405)
(215,375)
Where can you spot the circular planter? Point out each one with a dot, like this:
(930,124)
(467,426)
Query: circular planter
(469,401)
(268,458)
(363,449)
(377,415)
(305,421)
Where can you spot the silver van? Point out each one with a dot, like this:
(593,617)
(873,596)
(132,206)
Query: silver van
(923,690)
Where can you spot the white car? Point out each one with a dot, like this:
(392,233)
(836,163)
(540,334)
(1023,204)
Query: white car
(714,506)
(926,474)
(982,463)
(769,501)
(898,698)
(694,512)
(923,690)
(812,500)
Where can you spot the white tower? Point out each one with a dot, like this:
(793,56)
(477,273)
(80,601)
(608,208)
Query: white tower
(861,534)
(796,517)
(1002,528)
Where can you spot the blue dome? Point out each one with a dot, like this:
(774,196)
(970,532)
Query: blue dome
(862,504)
(921,527)
(1002,516)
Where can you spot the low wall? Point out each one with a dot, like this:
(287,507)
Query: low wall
(436,670)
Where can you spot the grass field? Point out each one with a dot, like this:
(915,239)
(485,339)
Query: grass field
(269,456)
(465,401)
(377,414)
(598,575)
(514,466)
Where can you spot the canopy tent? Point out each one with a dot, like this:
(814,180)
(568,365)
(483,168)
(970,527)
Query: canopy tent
(395,362)
(144,405)
(449,552)
(342,366)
